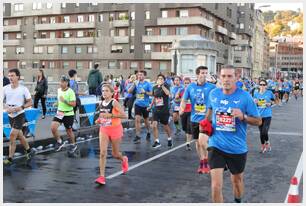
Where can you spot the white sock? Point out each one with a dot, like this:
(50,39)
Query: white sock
(60,140)
(157,140)
(169,138)
(188,142)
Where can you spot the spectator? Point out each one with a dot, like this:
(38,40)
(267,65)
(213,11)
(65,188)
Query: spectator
(94,80)
(41,91)
(6,80)
(73,84)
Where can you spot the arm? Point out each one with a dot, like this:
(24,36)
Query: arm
(182,106)
(121,114)
(208,114)
(46,87)
(256,121)
(166,90)
(131,89)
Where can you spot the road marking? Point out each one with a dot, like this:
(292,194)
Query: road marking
(298,174)
(148,160)
(281,133)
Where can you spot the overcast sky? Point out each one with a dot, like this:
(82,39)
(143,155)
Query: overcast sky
(280,6)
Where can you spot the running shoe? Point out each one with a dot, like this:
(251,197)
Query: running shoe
(58,146)
(205,169)
(200,169)
(188,147)
(7,162)
(148,136)
(30,154)
(263,149)
(156,145)
(170,143)
(178,131)
(72,150)
(100,180)
(136,140)
(268,147)
(125,164)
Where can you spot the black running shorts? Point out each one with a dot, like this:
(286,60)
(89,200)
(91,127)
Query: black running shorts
(141,111)
(186,124)
(17,122)
(163,118)
(67,121)
(219,159)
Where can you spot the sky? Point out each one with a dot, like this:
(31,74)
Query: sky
(279,6)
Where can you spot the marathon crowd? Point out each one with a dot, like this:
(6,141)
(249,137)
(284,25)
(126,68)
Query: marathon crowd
(212,110)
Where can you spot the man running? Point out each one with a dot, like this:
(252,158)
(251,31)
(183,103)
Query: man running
(197,92)
(161,110)
(296,88)
(16,98)
(176,100)
(66,101)
(143,90)
(231,109)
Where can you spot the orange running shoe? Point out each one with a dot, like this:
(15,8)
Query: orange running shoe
(125,164)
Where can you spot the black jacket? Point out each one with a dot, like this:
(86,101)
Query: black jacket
(41,87)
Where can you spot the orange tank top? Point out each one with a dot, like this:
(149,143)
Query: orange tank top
(108,108)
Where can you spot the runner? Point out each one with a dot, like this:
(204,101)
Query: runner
(286,89)
(16,98)
(176,100)
(161,110)
(197,92)
(66,102)
(143,90)
(232,110)
(264,100)
(111,130)
(281,91)
(185,117)
(296,88)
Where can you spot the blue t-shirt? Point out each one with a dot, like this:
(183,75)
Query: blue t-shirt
(262,99)
(143,100)
(229,133)
(198,96)
(174,90)
(239,84)
(286,86)
(126,93)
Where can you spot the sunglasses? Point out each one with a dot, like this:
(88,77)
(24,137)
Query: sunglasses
(262,84)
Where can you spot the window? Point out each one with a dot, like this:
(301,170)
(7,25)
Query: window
(92,49)
(80,18)
(112,65)
(116,49)
(36,5)
(163,31)
(6,36)
(23,65)
(99,33)
(52,35)
(216,6)
(164,14)
(63,5)
(94,4)
(44,20)
(52,20)
(238,48)
(49,5)
(133,15)
(91,18)
(66,34)
(51,65)
(181,31)
(64,50)
(35,65)
(100,17)
(78,50)
(237,59)
(5,65)
(132,48)
(132,32)
(112,32)
(165,47)
(229,12)
(80,34)
(123,16)
(134,65)
(149,31)
(111,17)
(19,50)
(188,63)
(5,22)
(77,4)
(121,32)
(18,7)
(148,15)
(18,35)
(38,50)
(241,26)
(65,65)
(163,66)
(50,49)
(147,48)
(4,50)
(66,19)
(148,65)
(183,13)
(79,65)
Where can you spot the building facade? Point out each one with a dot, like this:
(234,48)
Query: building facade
(122,38)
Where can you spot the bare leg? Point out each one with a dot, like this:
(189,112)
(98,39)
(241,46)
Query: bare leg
(103,140)
(217,184)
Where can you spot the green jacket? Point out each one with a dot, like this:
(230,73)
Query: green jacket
(94,78)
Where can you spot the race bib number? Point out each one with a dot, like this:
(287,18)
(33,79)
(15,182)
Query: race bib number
(262,103)
(225,122)
(59,115)
(140,96)
(105,122)
(159,101)
(200,109)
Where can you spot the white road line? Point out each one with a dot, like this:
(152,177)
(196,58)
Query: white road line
(148,160)
(281,133)
(298,173)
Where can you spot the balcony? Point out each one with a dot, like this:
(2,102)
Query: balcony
(221,30)
(185,21)
(158,38)
(121,39)
(12,42)
(59,26)
(11,28)
(233,35)
(120,23)
(85,40)
(161,55)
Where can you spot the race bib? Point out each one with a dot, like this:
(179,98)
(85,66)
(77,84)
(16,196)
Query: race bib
(176,108)
(262,103)
(140,96)
(159,101)
(59,115)
(105,122)
(225,122)
(200,109)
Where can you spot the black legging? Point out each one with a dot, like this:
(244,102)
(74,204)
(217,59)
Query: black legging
(43,102)
(264,129)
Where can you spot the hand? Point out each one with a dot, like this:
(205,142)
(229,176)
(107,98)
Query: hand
(143,91)
(181,112)
(149,108)
(62,99)
(105,115)
(268,104)
(237,113)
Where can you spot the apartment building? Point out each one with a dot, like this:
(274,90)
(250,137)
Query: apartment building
(122,38)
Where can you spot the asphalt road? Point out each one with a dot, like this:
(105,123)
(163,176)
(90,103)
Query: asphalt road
(53,177)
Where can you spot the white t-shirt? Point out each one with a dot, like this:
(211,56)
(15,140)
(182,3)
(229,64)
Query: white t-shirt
(15,97)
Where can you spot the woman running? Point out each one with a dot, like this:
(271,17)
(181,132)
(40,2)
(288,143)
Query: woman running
(264,100)
(111,130)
